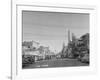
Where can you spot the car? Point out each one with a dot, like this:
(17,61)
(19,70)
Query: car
(28,59)
(85,58)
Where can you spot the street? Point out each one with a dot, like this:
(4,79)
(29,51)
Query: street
(55,63)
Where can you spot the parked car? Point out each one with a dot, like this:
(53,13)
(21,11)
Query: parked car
(85,58)
(28,59)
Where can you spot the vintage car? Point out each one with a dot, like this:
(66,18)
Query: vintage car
(28,59)
(84,59)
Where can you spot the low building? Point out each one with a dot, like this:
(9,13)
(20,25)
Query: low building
(30,44)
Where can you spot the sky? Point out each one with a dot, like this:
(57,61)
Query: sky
(51,28)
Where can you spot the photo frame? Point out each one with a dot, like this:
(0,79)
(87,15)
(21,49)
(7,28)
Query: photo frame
(16,57)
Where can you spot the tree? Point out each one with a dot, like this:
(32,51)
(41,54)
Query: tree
(79,47)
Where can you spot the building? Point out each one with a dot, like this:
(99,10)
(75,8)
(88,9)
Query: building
(35,44)
(30,45)
(39,52)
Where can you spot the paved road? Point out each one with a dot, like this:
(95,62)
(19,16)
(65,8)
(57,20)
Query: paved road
(55,63)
